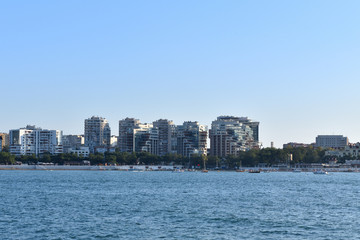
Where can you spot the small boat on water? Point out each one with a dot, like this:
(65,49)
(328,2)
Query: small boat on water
(254,171)
(178,170)
(320,172)
(296,171)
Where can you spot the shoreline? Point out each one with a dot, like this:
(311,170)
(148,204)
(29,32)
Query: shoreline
(141,168)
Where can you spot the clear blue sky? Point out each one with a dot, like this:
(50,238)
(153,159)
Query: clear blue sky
(292,65)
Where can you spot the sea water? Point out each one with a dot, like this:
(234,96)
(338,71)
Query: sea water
(189,205)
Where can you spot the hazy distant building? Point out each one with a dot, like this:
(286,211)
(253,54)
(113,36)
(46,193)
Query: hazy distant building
(113,141)
(350,150)
(97,133)
(331,141)
(191,139)
(72,142)
(167,136)
(80,151)
(229,135)
(297,145)
(5,140)
(104,149)
(32,140)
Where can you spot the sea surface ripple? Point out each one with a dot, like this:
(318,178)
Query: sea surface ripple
(190,205)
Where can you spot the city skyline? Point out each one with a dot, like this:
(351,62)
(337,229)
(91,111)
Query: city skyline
(293,66)
(143,126)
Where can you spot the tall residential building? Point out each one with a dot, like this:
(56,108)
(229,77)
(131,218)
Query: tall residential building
(147,140)
(229,135)
(331,141)
(97,133)
(126,139)
(167,137)
(32,140)
(191,139)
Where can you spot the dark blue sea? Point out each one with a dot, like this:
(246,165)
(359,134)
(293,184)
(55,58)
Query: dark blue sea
(190,205)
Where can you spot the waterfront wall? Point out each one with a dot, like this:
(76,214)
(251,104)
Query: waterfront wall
(99,168)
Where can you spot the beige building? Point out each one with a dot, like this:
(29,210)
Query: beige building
(4,140)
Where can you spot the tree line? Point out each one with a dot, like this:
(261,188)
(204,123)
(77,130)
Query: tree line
(251,158)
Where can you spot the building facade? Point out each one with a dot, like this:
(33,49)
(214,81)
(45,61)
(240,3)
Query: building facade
(127,129)
(229,136)
(72,142)
(113,141)
(192,139)
(97,133)
(32,140)
(80,151)
(350,150)
(331,141)
(4,140)
(253,125)
(167,136)
(297,145)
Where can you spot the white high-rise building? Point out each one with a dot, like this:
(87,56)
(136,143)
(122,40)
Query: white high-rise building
(32,140)
(97,133)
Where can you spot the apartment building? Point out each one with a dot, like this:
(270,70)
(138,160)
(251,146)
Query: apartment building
(191,139)
(31,140)
(97,133)
(229,135)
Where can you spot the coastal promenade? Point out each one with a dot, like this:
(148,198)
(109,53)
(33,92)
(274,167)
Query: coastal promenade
(88,167)
(157,168)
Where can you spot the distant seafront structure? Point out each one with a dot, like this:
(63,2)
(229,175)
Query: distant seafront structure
(331,141)
(297,145)
(4,140)
(230,135)
(97,133)
(31,140)
(72,141)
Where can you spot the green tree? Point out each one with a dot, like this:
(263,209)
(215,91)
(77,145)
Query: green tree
(7,158)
